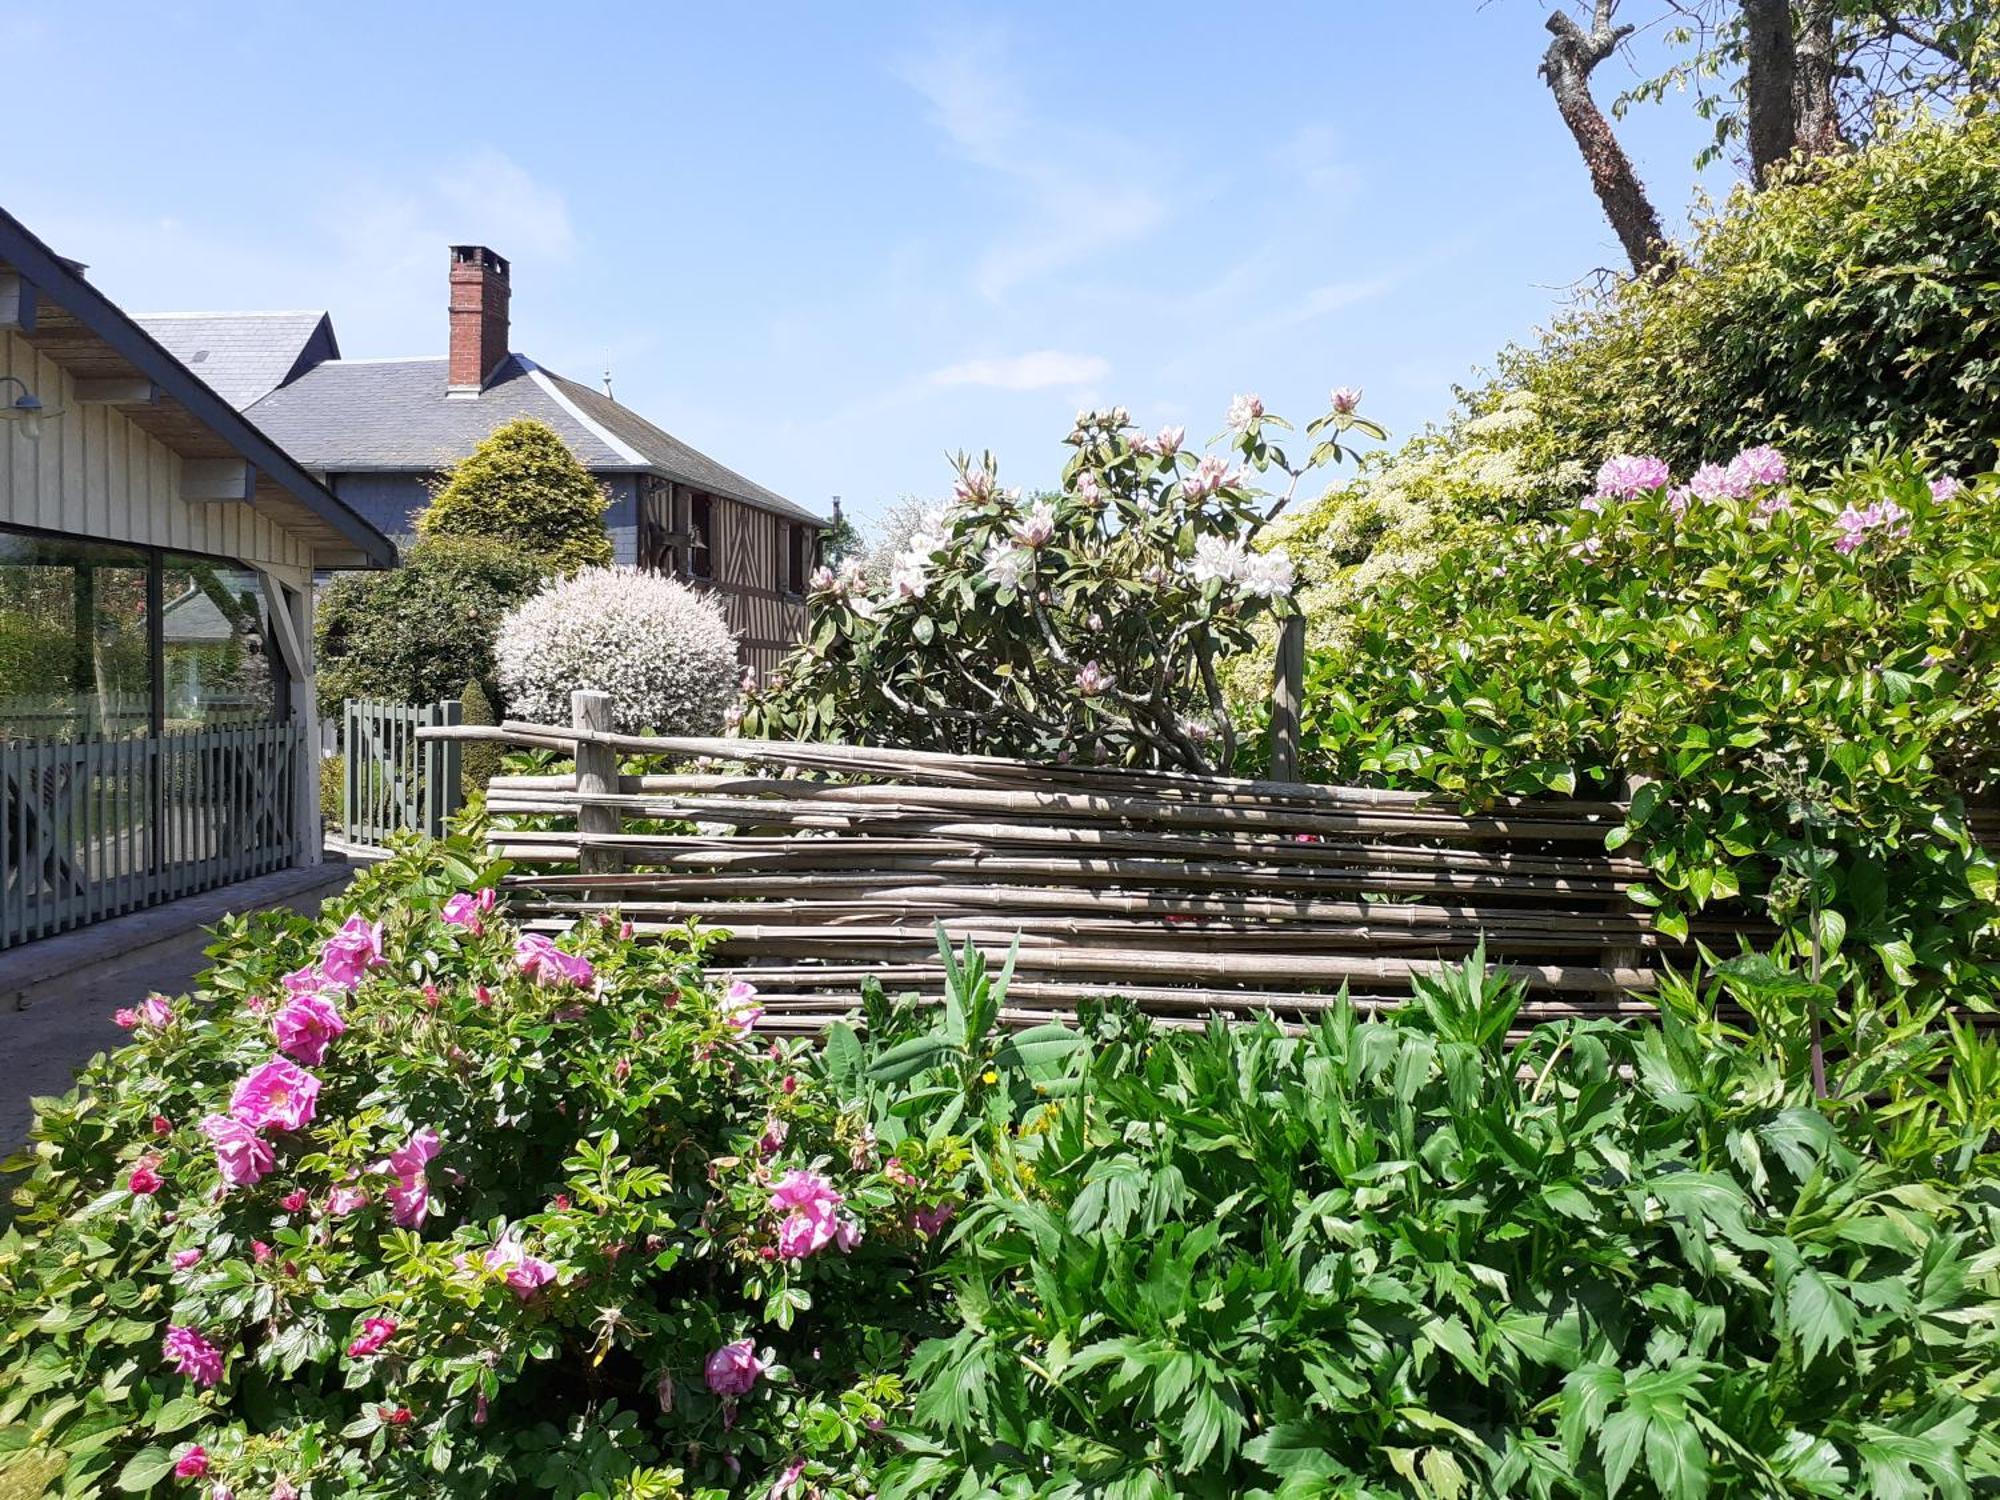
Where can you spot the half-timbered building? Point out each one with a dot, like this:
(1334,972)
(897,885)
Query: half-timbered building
(381,431)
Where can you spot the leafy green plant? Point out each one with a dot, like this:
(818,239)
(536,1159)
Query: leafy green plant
(523,487)
(1089,624)
(1419,1255)
(1799,720)
(408,1201)
(418,633)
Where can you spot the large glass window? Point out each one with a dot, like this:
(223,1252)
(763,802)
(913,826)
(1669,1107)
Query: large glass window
(215,646)
(75,647)
(105,641)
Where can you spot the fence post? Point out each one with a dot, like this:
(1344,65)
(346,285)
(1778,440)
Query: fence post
(440,791)
(596,776)
(1287,691)
(350,767)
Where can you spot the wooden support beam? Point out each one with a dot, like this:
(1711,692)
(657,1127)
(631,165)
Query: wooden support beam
(207,481)
(121,390)
(17,303)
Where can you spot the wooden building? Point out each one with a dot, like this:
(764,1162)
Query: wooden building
(380,431)
(157,555)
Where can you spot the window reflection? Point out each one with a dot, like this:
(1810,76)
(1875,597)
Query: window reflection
(216,646)
(75,657)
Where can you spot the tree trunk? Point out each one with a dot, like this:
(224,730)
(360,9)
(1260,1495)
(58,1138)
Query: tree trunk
(1816,115)
(1772,70)
(1567,66)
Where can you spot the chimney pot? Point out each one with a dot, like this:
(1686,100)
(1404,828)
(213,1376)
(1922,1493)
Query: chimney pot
(479,292)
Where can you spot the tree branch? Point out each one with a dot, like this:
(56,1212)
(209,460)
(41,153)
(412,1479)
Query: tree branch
(1566,67)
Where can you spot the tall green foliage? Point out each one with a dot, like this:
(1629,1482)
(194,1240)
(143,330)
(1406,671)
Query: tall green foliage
(522,486)
(418,633)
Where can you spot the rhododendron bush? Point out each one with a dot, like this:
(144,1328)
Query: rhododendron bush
(1092,623)
(409,1201)
(1799,689)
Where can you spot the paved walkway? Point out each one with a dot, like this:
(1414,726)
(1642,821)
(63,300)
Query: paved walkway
(57,995)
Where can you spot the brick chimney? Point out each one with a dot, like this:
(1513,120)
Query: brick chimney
(478,316)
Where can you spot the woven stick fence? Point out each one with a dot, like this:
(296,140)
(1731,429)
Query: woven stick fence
(828,864)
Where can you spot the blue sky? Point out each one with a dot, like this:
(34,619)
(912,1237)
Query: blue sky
(828,244)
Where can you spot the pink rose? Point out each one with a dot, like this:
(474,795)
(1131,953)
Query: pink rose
(542,961)
(241,1155)
(805,1190)
(279,1094)
(294,1201)
(409,1199)
(192,1355)
(125,1017)
(525,1273)
(259,1252)
(463,910)
(739,1005)
(193,1463)
(733,1369)
(183,1259)
(306,1024)
(145,1179)
(304,981)
(351,952)
(162,1125)
(343,1201)
(788,1481)
(375,1332)
(156,1013)
(806,1231)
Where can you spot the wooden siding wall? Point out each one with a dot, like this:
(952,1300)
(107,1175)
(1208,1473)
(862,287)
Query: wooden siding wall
(96,474)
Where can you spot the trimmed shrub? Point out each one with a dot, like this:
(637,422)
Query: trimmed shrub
(522,486)
(478,760)
(661,650)
(409,1202)
(332,788)
(417,633)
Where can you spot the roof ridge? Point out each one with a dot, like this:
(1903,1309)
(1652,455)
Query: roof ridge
(287,312)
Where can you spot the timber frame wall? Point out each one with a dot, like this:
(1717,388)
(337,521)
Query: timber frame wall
(752,560)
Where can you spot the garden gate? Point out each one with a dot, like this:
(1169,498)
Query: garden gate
(827,864)
(392,781)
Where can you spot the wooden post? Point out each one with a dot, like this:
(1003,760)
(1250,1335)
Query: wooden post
(1287,692)
(596,776)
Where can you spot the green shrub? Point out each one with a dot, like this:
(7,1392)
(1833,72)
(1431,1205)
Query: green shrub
(332,788)
(417,634)
(1840,315)
(478,760)
(607,1207)
(523,487)
(1809,719)
(1415,1257)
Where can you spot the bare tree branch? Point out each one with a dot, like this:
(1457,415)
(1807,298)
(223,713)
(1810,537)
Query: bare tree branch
(1566,67)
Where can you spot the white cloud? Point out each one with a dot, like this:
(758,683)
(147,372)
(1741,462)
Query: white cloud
(1078,192)
(1036,371)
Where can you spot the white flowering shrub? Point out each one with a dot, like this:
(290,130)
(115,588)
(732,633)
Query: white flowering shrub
(1091,623)
(662,651)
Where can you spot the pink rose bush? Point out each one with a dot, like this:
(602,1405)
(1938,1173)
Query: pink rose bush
(436,1179)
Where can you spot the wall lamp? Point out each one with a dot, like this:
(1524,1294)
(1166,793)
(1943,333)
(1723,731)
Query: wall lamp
(26,408)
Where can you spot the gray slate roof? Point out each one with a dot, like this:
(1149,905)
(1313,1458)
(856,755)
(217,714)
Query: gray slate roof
(243,356)
(395,415)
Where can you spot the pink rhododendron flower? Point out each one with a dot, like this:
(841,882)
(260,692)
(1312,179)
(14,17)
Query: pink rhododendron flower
(733,1369)
(739,1005)
(1210,475)
(1168,443)
(1711,482)
(145,1179)
(1346,399)
(375,1332)
(183,1259)
(1627,476)
(1244,410)
(192,1355)
(280,1094)
(351,952)
(242,1156)
(542,961)
(1592,504)
(193,1463)
(306,1024)
(1093,681)
(1763,465)
(1036,527)
(1946,487)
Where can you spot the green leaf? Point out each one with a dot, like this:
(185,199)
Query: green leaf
(145,1469)
(907,1059)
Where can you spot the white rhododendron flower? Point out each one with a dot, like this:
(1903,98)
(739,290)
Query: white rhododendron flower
(911,574)
(1243,411)
(1006,567)
(1036,527)
(1266,574)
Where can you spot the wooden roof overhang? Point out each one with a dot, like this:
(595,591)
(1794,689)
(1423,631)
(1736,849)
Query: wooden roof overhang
(77,327)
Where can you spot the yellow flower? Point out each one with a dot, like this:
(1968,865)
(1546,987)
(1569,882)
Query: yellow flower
(990,1076)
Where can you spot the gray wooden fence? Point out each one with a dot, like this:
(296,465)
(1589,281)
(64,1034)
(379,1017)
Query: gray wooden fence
(394,782)
(94,828)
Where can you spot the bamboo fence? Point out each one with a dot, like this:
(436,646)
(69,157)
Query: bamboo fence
(830,864)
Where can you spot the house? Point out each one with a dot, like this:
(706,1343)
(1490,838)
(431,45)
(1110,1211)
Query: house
(157,557)
(381,431)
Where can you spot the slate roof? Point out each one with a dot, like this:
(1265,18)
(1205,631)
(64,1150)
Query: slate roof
(243,356)
(395,415)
